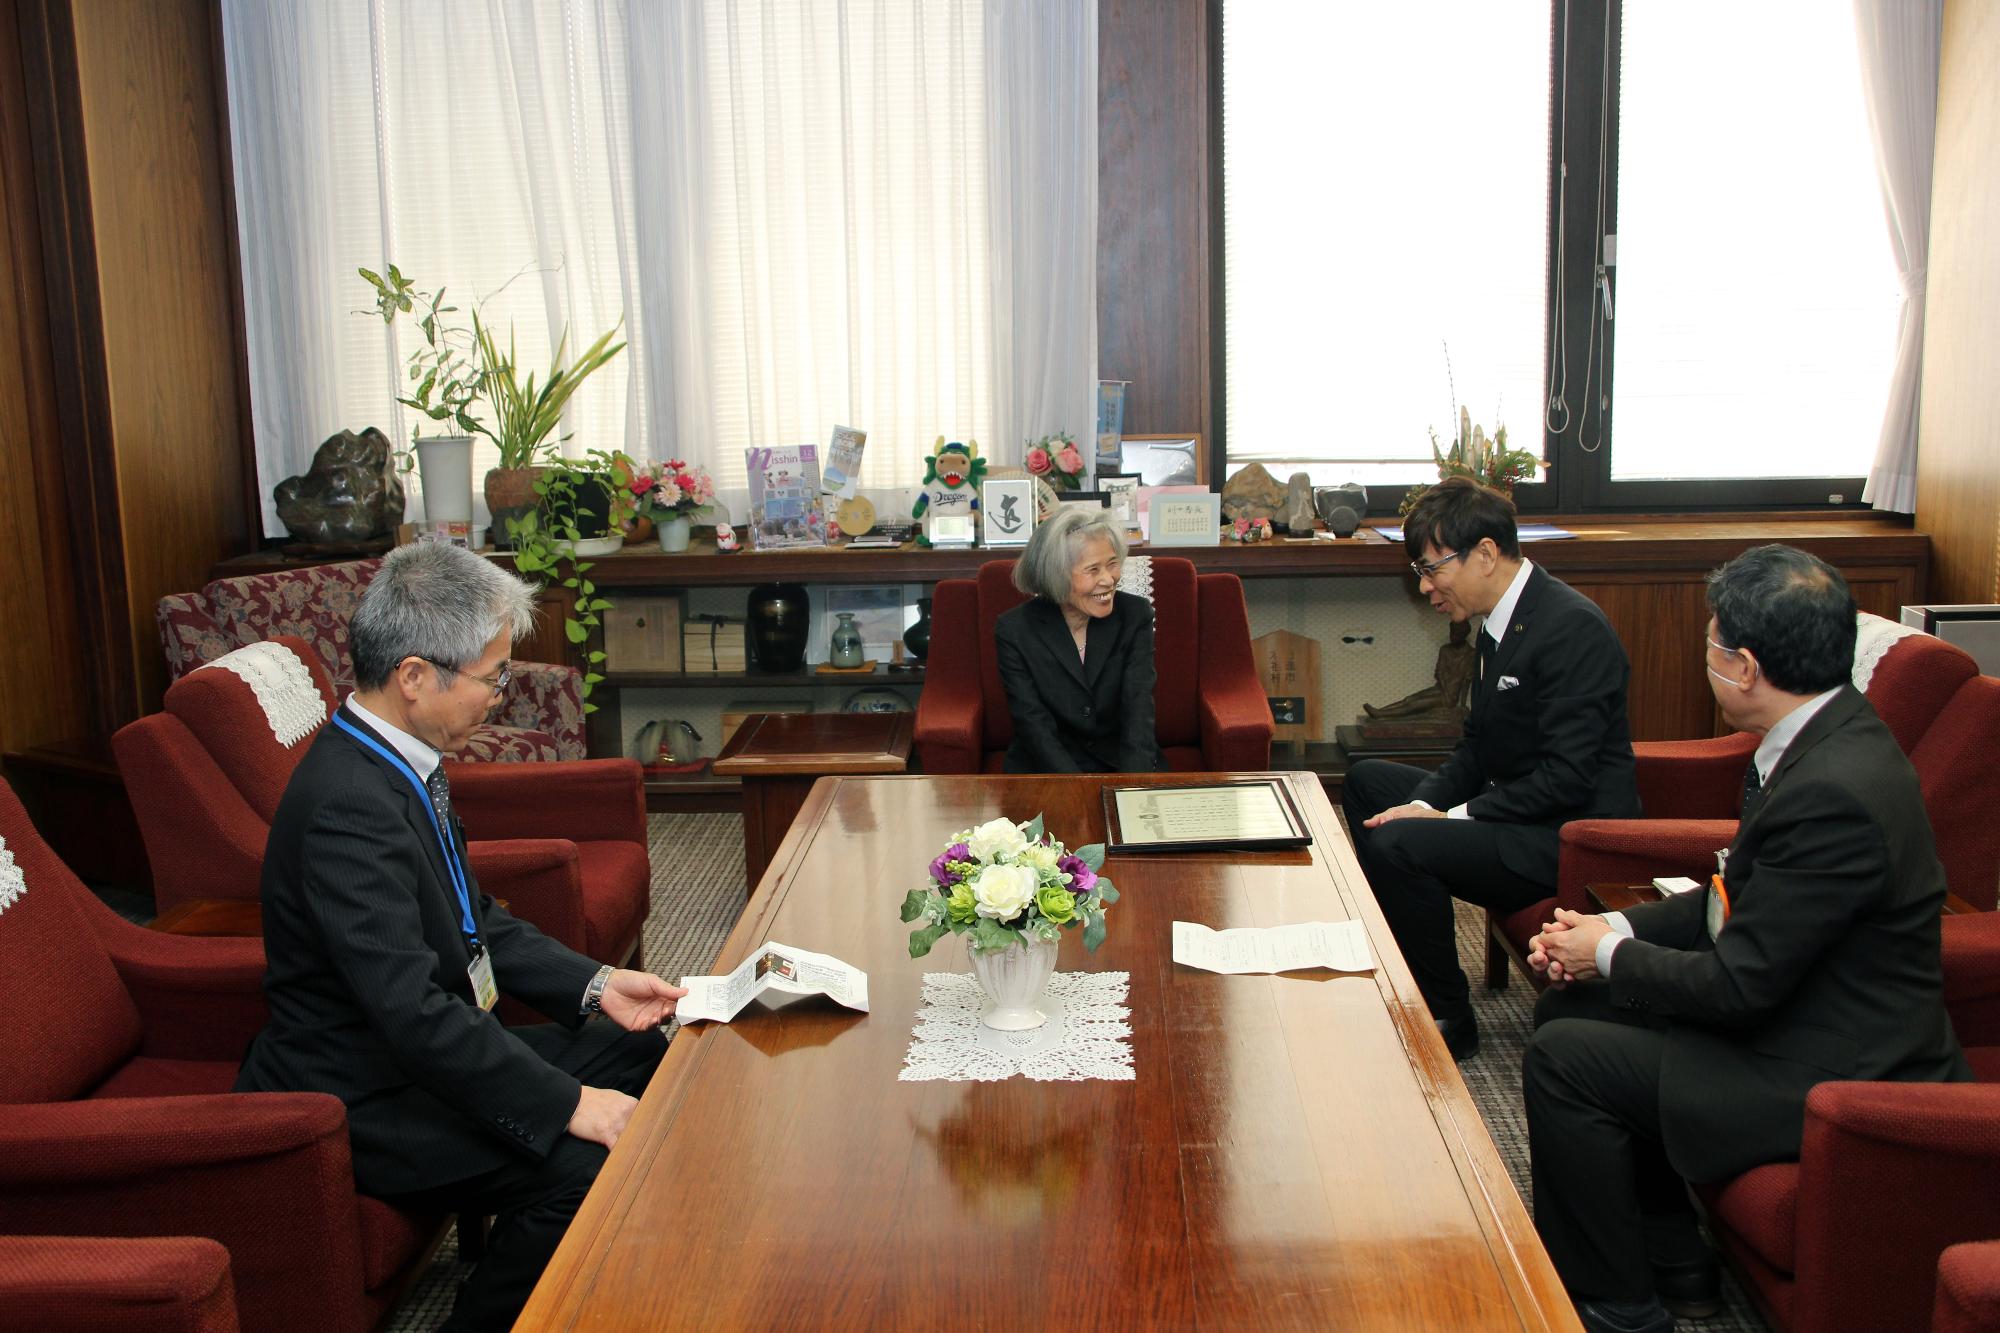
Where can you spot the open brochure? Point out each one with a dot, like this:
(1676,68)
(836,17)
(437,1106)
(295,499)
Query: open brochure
(1337,945)
(772,966)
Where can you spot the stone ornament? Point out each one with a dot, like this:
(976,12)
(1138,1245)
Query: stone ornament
(350,495)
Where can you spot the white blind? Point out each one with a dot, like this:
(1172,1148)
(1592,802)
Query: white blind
(1385,175)
(1756,300)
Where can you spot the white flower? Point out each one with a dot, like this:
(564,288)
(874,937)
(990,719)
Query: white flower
(1004,892)
(994,839)
(1039,855)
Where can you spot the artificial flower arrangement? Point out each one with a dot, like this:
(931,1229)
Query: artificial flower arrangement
(1005,882)
(1056,460)
(666,490)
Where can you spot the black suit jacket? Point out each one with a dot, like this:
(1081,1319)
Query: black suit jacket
(1555,745)
(1093,715)
(366,981)
(1828,965)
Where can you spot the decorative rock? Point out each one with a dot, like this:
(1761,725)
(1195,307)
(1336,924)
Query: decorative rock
(351,493)
(1297,516)
(1341,507)
(1252,493)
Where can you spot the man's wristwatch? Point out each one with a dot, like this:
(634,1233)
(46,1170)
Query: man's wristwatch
(593,994)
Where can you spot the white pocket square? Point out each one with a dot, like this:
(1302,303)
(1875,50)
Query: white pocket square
(1508,682)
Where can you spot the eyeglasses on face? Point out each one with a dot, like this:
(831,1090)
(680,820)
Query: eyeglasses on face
(1424,569)
(1723,648)
(493,683)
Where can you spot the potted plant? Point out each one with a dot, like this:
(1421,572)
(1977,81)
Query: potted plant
(580,505)
(668,494)
(524,419)
(1056,460)
(446,380)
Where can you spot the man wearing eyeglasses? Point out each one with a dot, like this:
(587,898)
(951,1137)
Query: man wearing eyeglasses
(1547,741)
(385,960)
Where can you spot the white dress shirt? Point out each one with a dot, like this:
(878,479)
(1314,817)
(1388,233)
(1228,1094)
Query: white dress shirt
(416,753)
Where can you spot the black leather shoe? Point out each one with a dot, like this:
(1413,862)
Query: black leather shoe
(1461,1036)
(1691,1289)
(1625,1317)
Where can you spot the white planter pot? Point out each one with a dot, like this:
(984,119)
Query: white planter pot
(674,532)
(445,464)
(1013,979)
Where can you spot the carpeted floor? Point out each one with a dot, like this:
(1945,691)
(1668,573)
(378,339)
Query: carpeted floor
(698,893)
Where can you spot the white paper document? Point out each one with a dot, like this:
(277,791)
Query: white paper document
(1340,946)
(772,966)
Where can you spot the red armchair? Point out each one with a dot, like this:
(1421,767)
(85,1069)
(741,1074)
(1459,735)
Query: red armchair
(1209,708)
(1848,1237)
(540,716)
(1931,696)
(564,844)
(1968,1289)
(83,1284)
(115,1067)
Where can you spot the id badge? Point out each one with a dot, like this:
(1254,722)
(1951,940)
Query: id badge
(1718,906)
(484,992)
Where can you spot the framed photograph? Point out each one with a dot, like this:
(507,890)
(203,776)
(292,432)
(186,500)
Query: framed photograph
(1252,814)
(1009,510)
(1097,498)
(949,530)
(1165,460)
(1121,495)
(1185,520)
(881,613)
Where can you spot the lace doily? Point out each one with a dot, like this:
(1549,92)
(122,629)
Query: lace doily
(283,686)
(1873,638)
(1137,576)
(12,882)
(1085,1036)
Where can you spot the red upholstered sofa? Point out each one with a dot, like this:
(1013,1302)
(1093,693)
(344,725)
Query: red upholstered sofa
(1209,708)
(1968,1289)
(1930,694)
(540,715)
(563,843)
(1848,1237)
(84,1284)
(116,1118)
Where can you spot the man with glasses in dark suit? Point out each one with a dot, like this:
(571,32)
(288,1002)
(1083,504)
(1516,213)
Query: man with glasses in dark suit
(1547,741)
(385,959)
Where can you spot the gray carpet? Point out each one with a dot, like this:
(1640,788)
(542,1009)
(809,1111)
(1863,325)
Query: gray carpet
(698,893)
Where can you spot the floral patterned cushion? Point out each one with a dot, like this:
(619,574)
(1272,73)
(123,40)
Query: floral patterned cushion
(540,716)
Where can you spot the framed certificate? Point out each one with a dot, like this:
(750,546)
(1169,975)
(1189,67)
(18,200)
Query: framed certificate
(1249,815)
(1185,520)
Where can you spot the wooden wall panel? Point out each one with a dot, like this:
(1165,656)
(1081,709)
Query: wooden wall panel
(1958,455)
(149,86)
(1153,210)
(42,695)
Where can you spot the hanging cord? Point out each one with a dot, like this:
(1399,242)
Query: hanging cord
(1555,402)
(1600,291)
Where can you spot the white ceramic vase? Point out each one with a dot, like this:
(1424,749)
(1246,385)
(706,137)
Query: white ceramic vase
(445,462)
(674,532)
(1013,979)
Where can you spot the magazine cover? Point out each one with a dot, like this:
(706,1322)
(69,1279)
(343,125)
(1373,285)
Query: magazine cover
(784,497)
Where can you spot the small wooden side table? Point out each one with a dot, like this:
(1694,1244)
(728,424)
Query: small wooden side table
(213,916)
(778,757)
(1619,897)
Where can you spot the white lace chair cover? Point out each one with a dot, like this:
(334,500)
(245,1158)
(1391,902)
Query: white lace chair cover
(1873,638)
(1137,576)
(283,686)
(12,882)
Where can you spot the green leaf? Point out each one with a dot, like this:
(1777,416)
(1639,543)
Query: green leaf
(1105,891)
(1093,932)
(922,940)
(374,279)
(596,655)
(989,935)
(574,632)
(589,708)
(1092,856)
(591,678)
(1034,829)
(914,903)
(599,604)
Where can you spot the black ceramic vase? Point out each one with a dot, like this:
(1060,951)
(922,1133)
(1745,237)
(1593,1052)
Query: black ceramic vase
(917,638)
(780,616)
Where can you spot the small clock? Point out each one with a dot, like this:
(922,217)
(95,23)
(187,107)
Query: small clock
(855,515)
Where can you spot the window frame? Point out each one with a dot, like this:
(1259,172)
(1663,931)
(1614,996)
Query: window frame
(1578,480)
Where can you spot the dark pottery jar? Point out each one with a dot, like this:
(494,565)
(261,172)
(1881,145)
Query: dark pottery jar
(780,616)
(917,638)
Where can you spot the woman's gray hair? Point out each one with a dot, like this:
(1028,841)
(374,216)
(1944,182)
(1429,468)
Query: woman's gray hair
(435,601)
(1044,569)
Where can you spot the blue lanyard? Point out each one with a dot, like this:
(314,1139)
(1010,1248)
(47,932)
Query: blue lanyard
(450,852)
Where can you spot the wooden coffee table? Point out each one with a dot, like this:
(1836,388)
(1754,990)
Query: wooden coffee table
(778,757)
(1293,1151)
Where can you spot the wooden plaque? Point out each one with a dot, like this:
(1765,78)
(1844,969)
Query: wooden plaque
(1288,664)
(643,633)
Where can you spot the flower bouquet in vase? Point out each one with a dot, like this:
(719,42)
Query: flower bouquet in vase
(1011,890)
(1056,460)
(668,494)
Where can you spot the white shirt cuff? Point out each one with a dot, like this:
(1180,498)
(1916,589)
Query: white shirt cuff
(1459,811)
(1425,804)
(1621,930)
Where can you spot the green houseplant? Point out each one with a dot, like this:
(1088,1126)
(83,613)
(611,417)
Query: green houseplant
(525,418)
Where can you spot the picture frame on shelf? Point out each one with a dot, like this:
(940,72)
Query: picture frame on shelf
(1185,519)
(1121,496)
(1007,511)
(1096,498)
(881,612)
(1165,460)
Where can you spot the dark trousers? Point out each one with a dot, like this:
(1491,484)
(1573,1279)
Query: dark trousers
(1417,866)
(1607,1202)
(532,1202)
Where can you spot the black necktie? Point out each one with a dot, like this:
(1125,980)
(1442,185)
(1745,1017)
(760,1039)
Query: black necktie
(1486,650)
(1753,785)
(440,791)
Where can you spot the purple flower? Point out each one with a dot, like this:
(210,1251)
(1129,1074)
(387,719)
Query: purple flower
(1082,878)
(940,870)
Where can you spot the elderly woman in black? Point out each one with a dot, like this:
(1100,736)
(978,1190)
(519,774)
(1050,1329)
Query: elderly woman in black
(1077,657)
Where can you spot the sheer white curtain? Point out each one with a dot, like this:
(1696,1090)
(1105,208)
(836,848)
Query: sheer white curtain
(860,212)
(1899,41)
